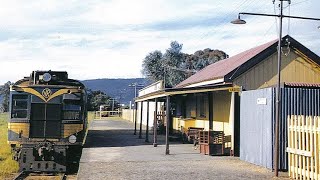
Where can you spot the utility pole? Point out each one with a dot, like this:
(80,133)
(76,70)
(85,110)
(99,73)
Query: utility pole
(112,106)
(278,100)
(135,85)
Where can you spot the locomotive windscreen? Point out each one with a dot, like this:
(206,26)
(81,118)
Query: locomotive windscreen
(45,121)
(19,106)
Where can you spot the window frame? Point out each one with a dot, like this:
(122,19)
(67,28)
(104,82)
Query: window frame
(13,109)
(64,110)
(202,106)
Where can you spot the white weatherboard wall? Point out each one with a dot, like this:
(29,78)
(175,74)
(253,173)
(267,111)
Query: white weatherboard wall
(147,90)
(144,113)
(128,114)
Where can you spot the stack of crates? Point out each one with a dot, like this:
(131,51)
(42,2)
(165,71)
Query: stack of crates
(211,142)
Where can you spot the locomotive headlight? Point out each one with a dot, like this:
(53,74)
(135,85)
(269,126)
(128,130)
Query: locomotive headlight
(46,77)
(72,139)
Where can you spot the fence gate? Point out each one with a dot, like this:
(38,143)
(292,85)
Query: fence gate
(303,147)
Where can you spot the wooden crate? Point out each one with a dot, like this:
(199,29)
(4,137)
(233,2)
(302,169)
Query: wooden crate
(211,142)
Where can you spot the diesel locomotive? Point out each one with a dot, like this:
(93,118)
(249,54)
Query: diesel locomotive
(47,121)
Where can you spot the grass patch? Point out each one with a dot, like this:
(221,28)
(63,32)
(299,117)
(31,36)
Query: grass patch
(7,165)
(91,115)
(90,118)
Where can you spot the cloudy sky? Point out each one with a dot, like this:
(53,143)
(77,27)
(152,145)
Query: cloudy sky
(109,38)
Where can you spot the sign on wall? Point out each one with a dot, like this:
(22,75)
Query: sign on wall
(262,101)
(151,88)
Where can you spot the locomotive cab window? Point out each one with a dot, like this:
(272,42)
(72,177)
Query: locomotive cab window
(19,106)
(71,109)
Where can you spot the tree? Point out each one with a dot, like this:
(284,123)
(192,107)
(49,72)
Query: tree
(153,66)
(5,93)
(203,58)
(95,99)
(175,66)
(157,67)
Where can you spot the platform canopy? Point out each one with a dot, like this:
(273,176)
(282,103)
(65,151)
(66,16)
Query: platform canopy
(189,90)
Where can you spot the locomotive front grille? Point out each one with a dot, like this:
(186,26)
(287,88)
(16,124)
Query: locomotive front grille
(45,120)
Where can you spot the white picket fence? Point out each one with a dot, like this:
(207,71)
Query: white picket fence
(303,147)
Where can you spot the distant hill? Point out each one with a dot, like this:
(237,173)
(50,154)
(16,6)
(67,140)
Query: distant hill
(116,88)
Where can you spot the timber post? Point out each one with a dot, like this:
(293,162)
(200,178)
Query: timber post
(210,100)
(141,114)
(147,128)
(167,124)
(155,124)
(135,118)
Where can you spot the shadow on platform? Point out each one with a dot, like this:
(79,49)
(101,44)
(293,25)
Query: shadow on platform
(122,138)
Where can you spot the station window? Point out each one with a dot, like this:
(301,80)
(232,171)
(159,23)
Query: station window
(202,103)
(191,107)
(19,106)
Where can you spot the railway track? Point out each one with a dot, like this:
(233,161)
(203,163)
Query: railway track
(26,175)
(63,177)
(21,175)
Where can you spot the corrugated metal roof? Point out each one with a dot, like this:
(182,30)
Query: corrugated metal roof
(191,90)
(223,67)
(299,84)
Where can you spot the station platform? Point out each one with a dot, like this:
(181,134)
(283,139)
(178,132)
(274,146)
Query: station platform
(113,152)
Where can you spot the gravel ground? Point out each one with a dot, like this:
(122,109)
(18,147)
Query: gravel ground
(113,152)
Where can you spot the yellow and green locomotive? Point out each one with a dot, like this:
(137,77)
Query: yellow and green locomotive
(47,122)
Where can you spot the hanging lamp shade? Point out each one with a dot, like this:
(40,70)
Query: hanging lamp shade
(238,21)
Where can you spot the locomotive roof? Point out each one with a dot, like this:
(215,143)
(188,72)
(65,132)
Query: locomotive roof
(59,79)
(69,82)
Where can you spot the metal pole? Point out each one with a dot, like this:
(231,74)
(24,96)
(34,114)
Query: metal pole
(276,146)
(167,124)
(141,114)
(147,128)
(283,16)
(155,124)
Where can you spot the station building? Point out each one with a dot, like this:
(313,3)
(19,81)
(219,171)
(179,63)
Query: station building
(237,96)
